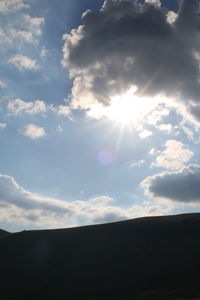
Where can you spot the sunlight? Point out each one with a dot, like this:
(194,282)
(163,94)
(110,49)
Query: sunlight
(129,108)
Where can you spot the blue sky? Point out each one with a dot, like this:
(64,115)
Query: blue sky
(99,111)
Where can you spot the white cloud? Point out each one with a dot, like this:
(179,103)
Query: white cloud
(24,28)
(33,107)
(33,131)
(3,125)
(137,163)
(174,156)
(16,34)
(34,24)
(63,110)
(165,127)
(145,133)
(153,151)
(36,107)
(171,17)
(156,3)
(2,84)
(19,205)
(22,62)
(8,6)
(181,186)
(43,52)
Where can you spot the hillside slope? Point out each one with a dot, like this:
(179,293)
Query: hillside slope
(146,258)
(3,232)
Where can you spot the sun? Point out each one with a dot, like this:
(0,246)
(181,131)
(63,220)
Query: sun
(128,109)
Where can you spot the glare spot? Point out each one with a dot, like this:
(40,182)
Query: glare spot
(105,157)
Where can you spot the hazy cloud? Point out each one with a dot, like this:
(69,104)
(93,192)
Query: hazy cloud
(3,125)
(127,44)
(33,131)
(181,186)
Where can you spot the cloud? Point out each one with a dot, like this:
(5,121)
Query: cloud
(63,110)
(16,34)
(174,156)
(21,206)
(156,3)
(24,28)
(145,133)
(165,127)
(2,84)
(43,52)
(137,163)
(153,151)
(33,131)
(128,44)
(3,125)
(33,107)
(18,106)
(9,6)
(171,17)
(22,62)
(179,186)
(33,24)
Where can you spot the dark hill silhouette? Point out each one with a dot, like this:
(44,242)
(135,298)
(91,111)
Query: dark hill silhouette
(3,232)
(145,258)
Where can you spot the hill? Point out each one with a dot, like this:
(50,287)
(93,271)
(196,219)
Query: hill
(145,258)
(3,232)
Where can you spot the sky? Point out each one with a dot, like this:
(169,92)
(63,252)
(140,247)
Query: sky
(99,111)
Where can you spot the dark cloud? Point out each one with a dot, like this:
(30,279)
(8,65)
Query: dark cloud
(181,186)
(127,44)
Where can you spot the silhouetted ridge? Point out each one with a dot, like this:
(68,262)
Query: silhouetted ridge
(145,258)
(3,232)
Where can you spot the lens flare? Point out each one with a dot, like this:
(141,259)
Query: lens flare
(105,157)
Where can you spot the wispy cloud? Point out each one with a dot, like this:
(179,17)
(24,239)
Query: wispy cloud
(22,62)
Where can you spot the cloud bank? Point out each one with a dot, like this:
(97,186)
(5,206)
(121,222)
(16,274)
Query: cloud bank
(128,44)
(23,207)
